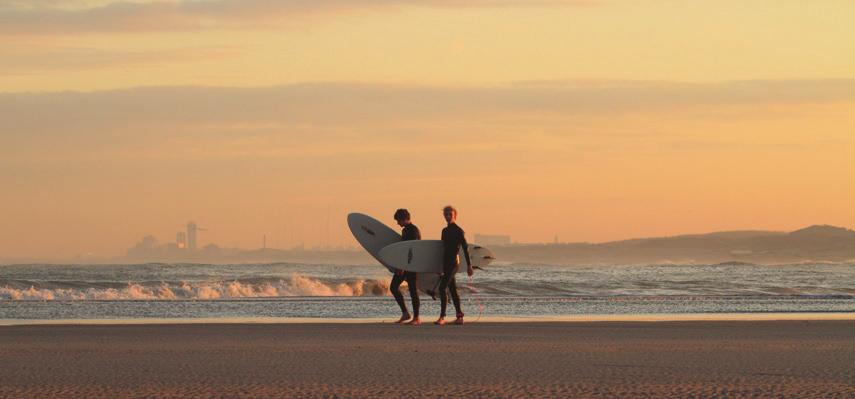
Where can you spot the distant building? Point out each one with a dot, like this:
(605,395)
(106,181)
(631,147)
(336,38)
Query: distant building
(147,247)
(191,235)
(484,239)
(181,240)
(211,250)
(172,249)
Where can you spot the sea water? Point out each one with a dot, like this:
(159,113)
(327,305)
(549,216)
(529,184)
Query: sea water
(187,291)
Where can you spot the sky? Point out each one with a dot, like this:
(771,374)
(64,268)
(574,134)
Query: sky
(589,120)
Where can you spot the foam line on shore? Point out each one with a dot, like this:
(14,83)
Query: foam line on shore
(487,319)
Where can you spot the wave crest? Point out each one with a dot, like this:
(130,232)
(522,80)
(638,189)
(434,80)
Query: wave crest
(295,285)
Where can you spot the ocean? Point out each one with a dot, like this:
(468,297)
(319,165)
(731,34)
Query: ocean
(188,291)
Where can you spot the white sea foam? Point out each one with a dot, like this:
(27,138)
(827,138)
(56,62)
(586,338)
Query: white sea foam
(295,285)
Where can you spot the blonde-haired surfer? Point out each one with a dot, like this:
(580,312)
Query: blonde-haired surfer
(453,238)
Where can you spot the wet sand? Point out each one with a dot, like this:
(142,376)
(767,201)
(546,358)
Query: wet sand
(803,359)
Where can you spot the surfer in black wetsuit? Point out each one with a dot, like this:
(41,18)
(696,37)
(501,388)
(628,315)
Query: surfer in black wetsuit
(453,238)
(409,232)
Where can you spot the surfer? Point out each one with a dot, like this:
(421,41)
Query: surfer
(409,232)
(453,238)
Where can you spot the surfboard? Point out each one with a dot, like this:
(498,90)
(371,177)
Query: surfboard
(372,234)
(425,256)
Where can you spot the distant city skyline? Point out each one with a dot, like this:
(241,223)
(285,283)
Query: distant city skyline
(816,243)
(187,241)
(150,248)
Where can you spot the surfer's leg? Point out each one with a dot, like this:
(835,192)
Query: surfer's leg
(443,293)
(395,287)
(455,297)
(413,283)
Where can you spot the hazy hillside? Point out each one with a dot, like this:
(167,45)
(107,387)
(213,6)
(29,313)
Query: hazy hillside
(814,243)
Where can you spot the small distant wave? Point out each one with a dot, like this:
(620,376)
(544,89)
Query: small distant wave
(295,285)
(735,263)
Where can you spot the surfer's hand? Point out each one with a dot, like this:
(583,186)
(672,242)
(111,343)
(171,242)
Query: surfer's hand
(470,271)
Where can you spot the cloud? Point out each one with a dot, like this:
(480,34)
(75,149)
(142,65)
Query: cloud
(209,14)
(345,104)
(308,120)
(25,60)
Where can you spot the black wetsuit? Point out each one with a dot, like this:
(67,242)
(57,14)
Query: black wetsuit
(453,238)
(410,232)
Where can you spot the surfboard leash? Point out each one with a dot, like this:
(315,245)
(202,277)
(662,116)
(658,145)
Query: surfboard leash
(474,290)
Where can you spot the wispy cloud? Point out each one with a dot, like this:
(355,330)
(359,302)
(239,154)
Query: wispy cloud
(207,14)
(307,119)
(346,103)
(25,60)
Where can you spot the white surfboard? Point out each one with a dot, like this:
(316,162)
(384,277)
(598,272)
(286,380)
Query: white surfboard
(425,256)
(372,234)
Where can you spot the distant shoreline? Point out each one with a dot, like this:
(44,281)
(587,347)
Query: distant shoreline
(813,244)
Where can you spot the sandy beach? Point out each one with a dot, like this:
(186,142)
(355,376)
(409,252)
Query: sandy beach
(807,358)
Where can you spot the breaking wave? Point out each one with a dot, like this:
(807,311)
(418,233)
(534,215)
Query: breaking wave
(295,285)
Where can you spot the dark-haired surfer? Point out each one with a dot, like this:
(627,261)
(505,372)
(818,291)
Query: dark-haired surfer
(453,238)
(409,232)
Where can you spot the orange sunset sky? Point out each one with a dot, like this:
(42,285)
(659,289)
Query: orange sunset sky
(593,120)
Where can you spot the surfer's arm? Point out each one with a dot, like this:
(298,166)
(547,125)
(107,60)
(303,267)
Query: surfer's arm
(465,248)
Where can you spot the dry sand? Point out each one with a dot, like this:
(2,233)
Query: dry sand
(799,359)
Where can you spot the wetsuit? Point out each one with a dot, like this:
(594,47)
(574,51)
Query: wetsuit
(453,239)
(410,232)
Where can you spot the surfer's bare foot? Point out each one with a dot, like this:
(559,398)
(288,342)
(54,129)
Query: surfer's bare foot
(440,322)
(432,294)
(415,322)
(458,321)
(404,317)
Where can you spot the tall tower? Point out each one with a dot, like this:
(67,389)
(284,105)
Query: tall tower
(181,240)
(191,235)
